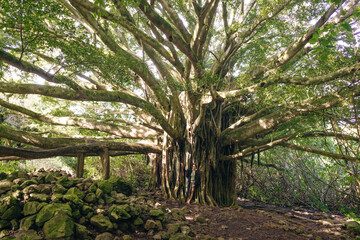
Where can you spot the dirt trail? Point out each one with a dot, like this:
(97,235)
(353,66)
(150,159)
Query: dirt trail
(254,221)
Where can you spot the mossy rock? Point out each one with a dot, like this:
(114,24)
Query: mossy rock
(5,186)
(121,186)
(90,198)
(27,235)
(49,178)
(157,214)
(61,226)
(173,228)
(3,209)
(56,197)
(30,208)
(4,224)
(3,176)
(85,210)
(102,223)
(138,221)
(150,225)
(77,192)
(117,213)
(28,183)
(14,224)
(8,200)
(34,188)
(45,188)
(47,212)
(99,193)
(58,188)
(92,188)
(105,236)
(353,226)
(65,182)
(14,212)
(74,199)
(28,222)
(106,186)
(17,194)
(109,200)
(39,197)
(81,232)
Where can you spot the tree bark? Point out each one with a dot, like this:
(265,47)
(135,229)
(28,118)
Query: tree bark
(105,160)
(80,165)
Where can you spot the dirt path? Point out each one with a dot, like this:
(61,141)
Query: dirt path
(254,221)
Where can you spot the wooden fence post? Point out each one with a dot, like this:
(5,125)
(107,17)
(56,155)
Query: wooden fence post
(105,160)
(80,165)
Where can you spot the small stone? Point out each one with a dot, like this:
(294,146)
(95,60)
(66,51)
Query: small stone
(150,225)
(185,230)
(173,228)
(138,221)
(127,237)
(117,213)
(102,223)
(157,214)
(105,236)
(224,227)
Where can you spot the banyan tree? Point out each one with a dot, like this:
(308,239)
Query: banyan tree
(208,82)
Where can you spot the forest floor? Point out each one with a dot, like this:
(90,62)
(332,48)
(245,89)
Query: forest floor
(254,221)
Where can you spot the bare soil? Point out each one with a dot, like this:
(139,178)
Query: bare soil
(253,221)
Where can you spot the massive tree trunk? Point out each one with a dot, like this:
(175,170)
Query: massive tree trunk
(201,147)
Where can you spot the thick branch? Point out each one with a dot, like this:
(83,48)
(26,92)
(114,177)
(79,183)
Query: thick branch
(98,95)
(88,149)
(133,132)
(321,152)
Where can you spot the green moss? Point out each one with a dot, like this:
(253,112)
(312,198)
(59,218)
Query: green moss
(61,226)
(14,212)
(30,208)
(102,223)
(106,186)
(47,212)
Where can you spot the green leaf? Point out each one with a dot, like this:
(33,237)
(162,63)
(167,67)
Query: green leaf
(324,42)
(346,26)
(314,38)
